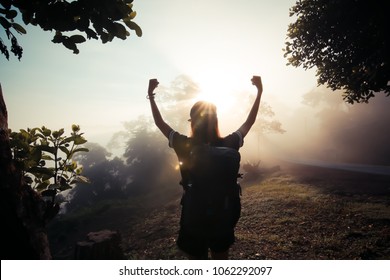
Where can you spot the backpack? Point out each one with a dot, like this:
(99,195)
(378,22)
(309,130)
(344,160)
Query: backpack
(211,202)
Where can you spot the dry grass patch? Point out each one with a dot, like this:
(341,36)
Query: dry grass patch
(283,217)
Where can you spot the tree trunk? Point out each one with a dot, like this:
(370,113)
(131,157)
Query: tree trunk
(22,209)
(101,245)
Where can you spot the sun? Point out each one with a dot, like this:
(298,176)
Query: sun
(219,92)
(224,102)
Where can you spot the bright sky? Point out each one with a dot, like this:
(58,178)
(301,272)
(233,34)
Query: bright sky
(220,44)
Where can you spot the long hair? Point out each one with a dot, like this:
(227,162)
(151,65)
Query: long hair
(204,122)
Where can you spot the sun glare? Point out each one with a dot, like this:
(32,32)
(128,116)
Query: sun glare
(222,93)
(223,101)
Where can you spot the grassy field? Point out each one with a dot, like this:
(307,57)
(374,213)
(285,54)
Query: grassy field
(299,212)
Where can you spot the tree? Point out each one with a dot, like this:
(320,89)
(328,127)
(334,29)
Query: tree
(147,170)
(265,122)
(46,160)
(107,177)
(150,164)
(177,99)
(23,157)
(347,41)
(22,210)
(95,19)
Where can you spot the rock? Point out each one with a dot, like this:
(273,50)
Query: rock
(101,245)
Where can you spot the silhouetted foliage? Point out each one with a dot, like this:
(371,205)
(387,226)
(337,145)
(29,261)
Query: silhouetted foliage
(348,43)
(103,19)
(46,161)
(146,167)
(266,122)
(177,100)
(148,157)
(107,178)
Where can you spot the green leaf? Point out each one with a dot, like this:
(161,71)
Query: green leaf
(57,134)
(47,148)
(75,128)
(106,37)
(81,179)
(80,150)
(68,43)
(69,167)
(5,23)
(47,177)
(79,140)
(77,39)
(19,28)
(42,186)
(47,157)
(91,34)
(45,131)
(36,154)
(120,31)
(133,26)
(68,139)
(11,14)
(24,134)
(65,150)
(58,38)
(41,170)
(132,15)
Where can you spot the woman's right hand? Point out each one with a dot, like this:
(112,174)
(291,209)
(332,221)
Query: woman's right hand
(153,83)
(256,80)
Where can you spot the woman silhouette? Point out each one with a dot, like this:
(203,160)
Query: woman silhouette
(204,130)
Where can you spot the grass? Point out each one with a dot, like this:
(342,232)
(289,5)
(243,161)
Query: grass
(284,218)
(297,213)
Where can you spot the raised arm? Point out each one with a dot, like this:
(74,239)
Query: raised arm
(158,120)
(246,126)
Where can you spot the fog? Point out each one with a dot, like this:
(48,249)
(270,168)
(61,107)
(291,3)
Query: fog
(326,128)
(138,161)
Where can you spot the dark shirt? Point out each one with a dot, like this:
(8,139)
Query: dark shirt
(183,145)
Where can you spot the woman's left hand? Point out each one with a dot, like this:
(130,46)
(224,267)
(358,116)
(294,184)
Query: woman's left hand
(153,83)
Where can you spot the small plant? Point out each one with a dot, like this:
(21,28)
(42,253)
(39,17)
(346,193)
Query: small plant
(45,158)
